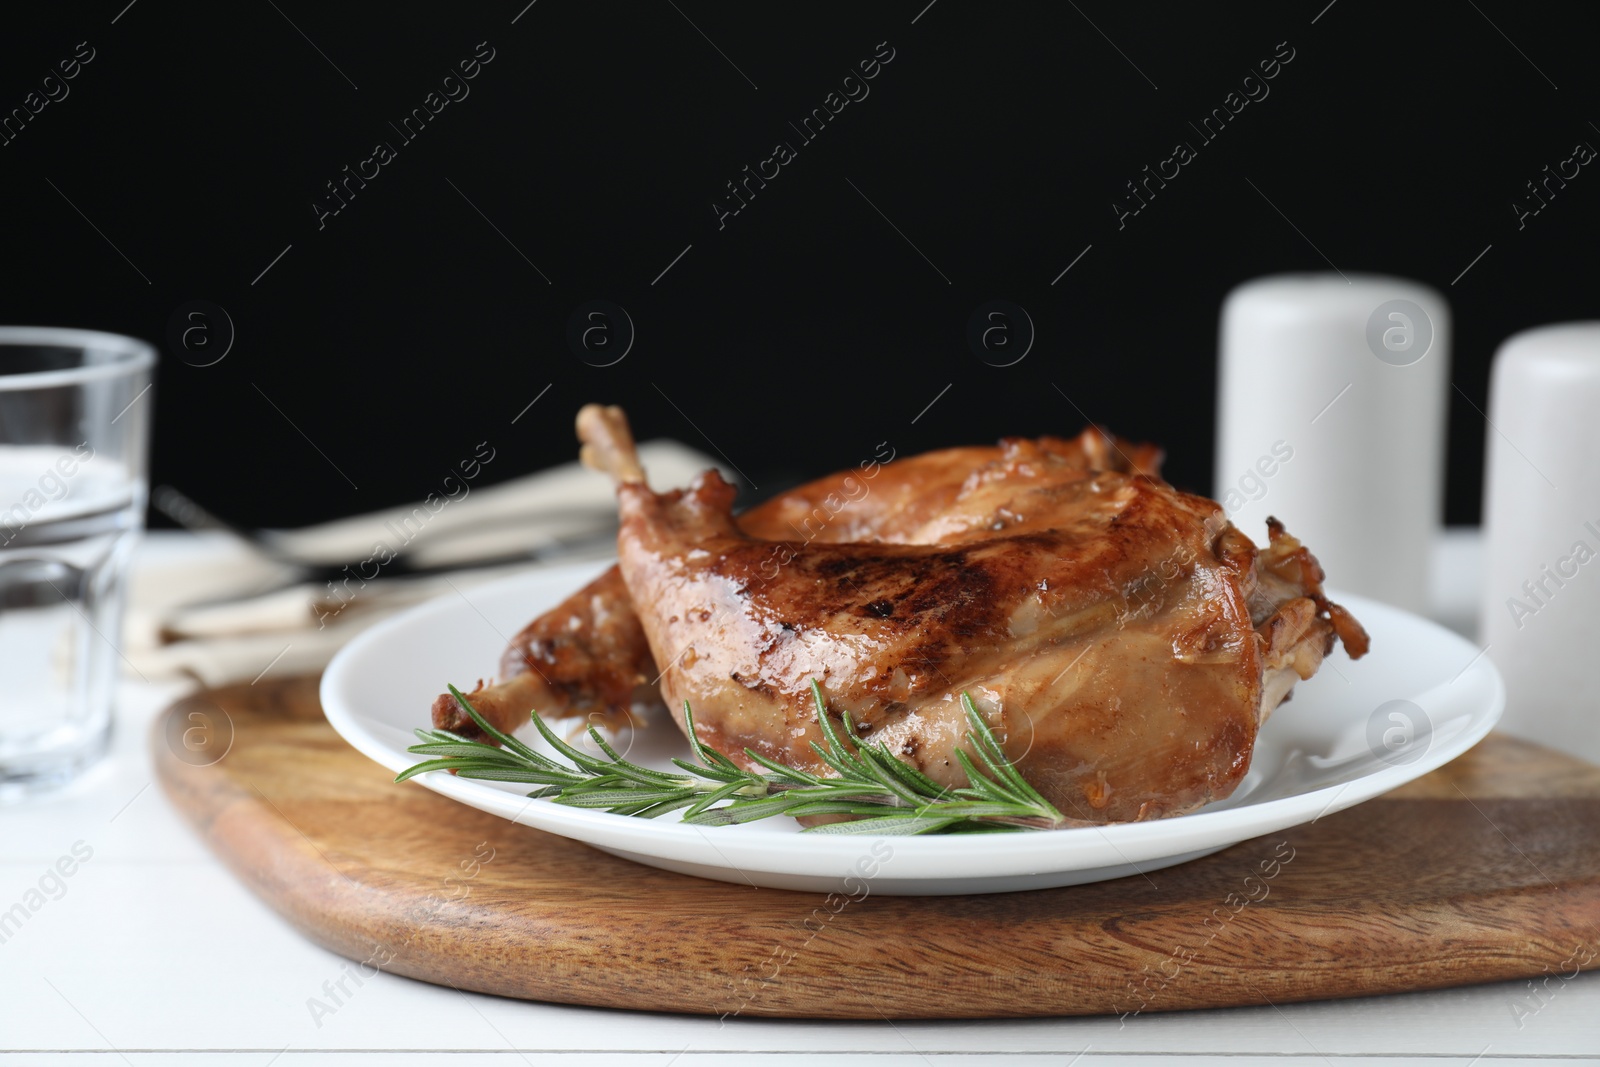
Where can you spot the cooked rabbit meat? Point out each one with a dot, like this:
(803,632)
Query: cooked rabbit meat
(588,656)
(1122,638)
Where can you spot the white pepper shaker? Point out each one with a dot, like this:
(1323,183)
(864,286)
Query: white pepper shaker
(1331,417)
(1541,601)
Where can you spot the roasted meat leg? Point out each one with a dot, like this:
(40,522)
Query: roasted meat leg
(1122,638)
(588,656)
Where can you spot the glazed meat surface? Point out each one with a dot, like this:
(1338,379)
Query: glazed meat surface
(588,656)
(1121,637)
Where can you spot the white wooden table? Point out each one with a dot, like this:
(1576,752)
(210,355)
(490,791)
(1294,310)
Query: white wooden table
(150,952)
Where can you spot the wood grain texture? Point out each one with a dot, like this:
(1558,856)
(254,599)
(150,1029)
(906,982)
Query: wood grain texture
(1487,869)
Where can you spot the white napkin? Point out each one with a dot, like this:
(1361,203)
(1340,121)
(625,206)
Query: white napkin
(213,607)
(534,510)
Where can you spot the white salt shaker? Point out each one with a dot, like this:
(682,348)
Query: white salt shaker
(1541,601)
(1331,417)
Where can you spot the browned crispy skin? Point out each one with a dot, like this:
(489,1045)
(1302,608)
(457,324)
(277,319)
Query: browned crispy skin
(1123,639)
(1292,568)
(902,501)
(588,656)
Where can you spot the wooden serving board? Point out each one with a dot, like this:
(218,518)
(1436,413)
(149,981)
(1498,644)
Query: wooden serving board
(1487,869)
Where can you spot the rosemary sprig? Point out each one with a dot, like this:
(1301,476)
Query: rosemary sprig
(883,794)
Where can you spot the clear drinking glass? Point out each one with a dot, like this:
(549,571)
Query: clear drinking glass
(74,432)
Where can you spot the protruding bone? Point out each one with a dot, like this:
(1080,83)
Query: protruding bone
(608,443)
(506,705)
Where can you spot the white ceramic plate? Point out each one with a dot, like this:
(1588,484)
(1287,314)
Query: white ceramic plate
(1422,697)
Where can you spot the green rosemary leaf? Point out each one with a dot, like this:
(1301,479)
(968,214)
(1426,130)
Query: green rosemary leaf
(656,810)
(790,774)
(632,771)
(831,807)
(980,810)
(874,793)
(592,764)
(625,768)
(979,785)
(871,763)
(716,773)
(430,736)
(708,756)
(984,744)
(999,760)
(453,748)
(429,765)
(611,798)
(838,757)
(745,811)
(886,826)
(496,773)
(602,782)
(716,796)
(919,784)
(844,768)
(915,779)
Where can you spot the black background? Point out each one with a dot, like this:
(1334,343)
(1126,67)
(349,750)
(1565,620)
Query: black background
(807,330)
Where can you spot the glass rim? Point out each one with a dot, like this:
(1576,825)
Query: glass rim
(132,356)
